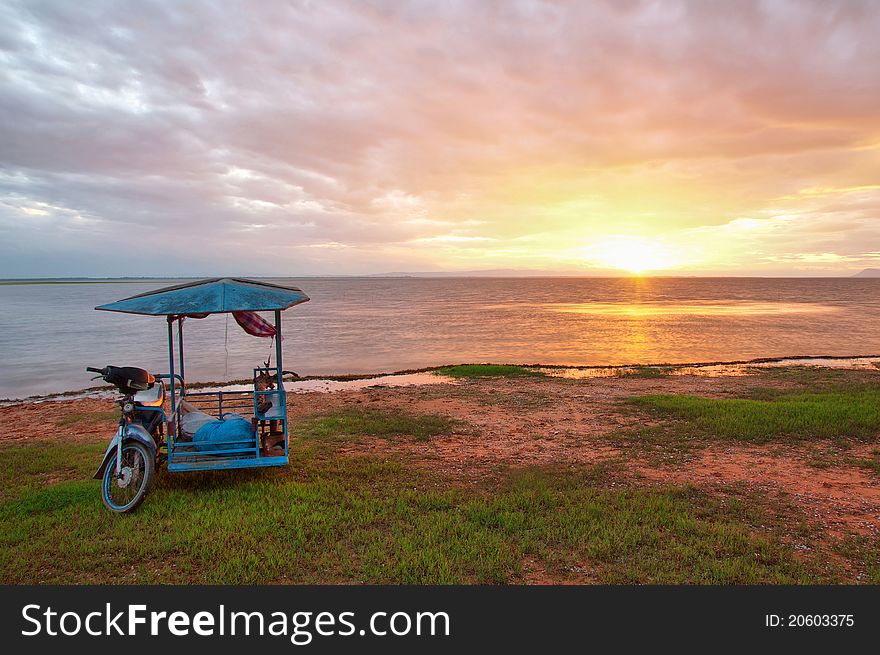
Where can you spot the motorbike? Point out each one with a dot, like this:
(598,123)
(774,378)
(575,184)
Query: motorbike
(136,450)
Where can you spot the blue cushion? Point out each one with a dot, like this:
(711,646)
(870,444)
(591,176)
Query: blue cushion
(230,429)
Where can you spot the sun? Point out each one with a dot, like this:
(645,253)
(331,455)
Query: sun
(631,253)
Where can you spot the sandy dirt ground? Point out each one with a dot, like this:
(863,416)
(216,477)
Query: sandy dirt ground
(511,423)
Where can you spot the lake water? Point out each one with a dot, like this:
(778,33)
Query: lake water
(50,332)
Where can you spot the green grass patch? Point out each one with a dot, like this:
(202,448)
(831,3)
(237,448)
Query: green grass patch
(816,378)
(88,418)
(363,520)
(845,414)
(871,463)
(361,422)
(488,371)
(24,468)
(862,553)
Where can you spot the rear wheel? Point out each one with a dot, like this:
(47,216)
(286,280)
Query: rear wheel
(125,491)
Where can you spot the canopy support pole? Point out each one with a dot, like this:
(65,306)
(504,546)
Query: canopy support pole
(278,362)
(180,344)
(171,380)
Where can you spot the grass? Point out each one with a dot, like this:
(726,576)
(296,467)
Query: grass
(816,378)
(488,371)
(861,552)
(329,518)
(374,422)
(848,413)
(871,463)
(32,467)
(87,418)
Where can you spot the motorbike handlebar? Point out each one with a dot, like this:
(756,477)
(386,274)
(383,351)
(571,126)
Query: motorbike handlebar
(91,369)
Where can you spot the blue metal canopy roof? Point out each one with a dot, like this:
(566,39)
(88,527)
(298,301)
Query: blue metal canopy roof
(211,296)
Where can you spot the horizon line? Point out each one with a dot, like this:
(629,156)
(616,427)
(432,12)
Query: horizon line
(513,274)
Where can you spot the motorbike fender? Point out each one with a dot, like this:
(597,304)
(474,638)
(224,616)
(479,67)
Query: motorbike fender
(131,433)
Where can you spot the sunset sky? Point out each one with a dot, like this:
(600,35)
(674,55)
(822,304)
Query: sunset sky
(188,138)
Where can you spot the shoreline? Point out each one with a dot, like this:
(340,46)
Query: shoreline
(554,370)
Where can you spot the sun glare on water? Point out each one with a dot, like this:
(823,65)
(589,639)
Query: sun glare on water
(633,254)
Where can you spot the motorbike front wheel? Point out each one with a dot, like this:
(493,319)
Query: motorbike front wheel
(125,491)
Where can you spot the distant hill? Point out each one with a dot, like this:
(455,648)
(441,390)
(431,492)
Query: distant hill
(869,272)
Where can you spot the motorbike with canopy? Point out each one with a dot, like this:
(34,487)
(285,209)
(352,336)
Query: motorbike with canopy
(229,429)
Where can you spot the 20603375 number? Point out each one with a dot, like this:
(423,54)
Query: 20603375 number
(820,620)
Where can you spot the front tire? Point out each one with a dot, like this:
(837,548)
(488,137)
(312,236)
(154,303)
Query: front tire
(123,493)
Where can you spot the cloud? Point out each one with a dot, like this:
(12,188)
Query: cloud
(355,137)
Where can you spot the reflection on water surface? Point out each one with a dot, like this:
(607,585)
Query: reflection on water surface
(740,308)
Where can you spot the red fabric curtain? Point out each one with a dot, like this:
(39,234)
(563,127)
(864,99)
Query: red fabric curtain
(254,324)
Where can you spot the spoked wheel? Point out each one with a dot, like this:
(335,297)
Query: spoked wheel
(124,492)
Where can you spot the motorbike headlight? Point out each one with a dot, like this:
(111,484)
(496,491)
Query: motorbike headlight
(128,408)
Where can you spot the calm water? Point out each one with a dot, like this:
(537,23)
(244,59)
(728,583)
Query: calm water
(50,332)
